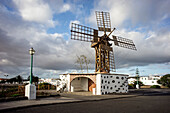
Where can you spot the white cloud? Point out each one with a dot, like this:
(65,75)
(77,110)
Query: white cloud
(66,7)
(133,12)
(150,50)
(58,6)
(5,62)
(34,10)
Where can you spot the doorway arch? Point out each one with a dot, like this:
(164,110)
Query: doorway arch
(82,84)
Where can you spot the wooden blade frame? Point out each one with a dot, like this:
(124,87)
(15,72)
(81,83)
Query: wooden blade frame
(112,61)
(83,33)
(103,21)
(124,42)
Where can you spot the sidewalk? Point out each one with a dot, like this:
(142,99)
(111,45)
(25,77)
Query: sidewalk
(64,98)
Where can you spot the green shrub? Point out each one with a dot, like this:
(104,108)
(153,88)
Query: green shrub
(44,86)
(155,86)
(15,95)
(131,86)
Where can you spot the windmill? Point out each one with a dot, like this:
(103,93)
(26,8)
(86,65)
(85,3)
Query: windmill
(104,57)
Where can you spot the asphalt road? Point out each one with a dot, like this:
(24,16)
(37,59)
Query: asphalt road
(139,104)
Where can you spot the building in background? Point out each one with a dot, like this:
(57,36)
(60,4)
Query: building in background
(51,81)
(146,80)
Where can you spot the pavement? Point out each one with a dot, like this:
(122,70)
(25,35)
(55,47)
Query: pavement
(63,98)
(71,98)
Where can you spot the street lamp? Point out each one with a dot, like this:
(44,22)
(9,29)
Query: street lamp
(6,76)
(30,89)
(31,51)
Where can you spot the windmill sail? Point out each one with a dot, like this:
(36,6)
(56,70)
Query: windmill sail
(123,42)
(83,33)
(112,61)
(103,21)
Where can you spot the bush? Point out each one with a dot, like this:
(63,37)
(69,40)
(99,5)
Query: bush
(44,86)
(15,95)
(131,86)
(155,86)
(165,80)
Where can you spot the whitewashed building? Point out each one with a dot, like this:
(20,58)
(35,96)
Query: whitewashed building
(150,80)
(48,80)
(146,80)
(98,83)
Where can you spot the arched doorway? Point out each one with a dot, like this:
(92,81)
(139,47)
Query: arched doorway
(91,85)
(80,84)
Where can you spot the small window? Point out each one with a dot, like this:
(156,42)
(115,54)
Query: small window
(117,77)
(152,81)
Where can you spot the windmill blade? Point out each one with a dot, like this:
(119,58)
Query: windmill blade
(83,33)
(123,42)
(112,61)
(103,21)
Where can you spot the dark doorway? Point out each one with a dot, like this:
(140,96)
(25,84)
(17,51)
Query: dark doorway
(91,85)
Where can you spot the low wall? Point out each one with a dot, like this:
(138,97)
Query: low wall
(112,83)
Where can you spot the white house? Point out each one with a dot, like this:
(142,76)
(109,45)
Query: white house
(146,80)
(150,80)
(49,80)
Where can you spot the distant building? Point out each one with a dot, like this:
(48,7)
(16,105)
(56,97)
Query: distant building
(2,79)
(48,80)
(146,80)
(131,80)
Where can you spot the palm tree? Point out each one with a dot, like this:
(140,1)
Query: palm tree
(19,79)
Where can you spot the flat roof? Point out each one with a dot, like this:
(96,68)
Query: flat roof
(94,74)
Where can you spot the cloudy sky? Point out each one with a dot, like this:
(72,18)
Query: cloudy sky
(45,26)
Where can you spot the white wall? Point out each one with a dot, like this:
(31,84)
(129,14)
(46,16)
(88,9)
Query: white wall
(131,80)
(98,84)
(84,83)
(114,83)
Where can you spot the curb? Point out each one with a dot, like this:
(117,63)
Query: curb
(25,98)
